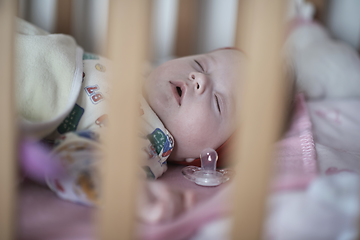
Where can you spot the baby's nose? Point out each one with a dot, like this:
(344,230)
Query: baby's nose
(200,82)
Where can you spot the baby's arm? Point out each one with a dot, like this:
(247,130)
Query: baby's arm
(157,202)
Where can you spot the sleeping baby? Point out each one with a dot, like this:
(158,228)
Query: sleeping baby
(187,105)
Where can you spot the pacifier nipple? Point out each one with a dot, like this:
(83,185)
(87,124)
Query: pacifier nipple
(207,175)
(208,158)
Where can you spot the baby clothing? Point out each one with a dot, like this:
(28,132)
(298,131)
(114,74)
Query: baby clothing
(78,137)
(48,78)
(74,121)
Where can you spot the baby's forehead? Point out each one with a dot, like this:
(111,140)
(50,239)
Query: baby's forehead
(227,52)
(220,54)
(227,59)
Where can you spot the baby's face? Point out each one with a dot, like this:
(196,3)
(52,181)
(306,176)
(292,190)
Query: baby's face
(195,99)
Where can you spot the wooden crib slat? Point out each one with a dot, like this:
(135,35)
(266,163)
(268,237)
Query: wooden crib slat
(7,126)
(63,18)
(127,49)
(187,27)
(259,35)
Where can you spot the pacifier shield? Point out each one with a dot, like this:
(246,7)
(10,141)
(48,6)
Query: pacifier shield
(207,175)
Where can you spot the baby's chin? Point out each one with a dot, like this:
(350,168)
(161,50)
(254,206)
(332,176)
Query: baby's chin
(175,156)
(182,155)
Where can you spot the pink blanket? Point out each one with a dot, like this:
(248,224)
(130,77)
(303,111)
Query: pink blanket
(295,168)
(44,216)
(295,164)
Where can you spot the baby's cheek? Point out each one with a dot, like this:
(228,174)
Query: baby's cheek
(197,131)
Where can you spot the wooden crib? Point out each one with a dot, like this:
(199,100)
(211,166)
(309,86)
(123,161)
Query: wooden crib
(259,34)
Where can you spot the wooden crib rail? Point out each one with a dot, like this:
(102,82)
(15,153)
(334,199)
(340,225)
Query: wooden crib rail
(260,28)
(7,126)
(127,48)
(63,18)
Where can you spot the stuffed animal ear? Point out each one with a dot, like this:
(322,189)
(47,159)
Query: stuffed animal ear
(300,9)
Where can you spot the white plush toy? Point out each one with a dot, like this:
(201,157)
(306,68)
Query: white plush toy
(324,67)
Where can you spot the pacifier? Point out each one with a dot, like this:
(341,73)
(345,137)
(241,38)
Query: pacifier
(207,175)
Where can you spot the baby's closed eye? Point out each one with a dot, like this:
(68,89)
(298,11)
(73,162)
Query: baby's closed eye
(202,68)
(217,103)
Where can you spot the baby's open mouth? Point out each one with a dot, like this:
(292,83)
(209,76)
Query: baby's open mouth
(178,89)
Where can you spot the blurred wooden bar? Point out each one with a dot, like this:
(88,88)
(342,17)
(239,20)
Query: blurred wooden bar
(260,29)
(127,49)
(63,18)
(7,127)
(187,25)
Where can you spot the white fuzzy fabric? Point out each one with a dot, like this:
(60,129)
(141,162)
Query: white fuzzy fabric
(48,69)
(45,67)
(325,67)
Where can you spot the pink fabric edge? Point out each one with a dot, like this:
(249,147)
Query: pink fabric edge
(308,159)
(218,206)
